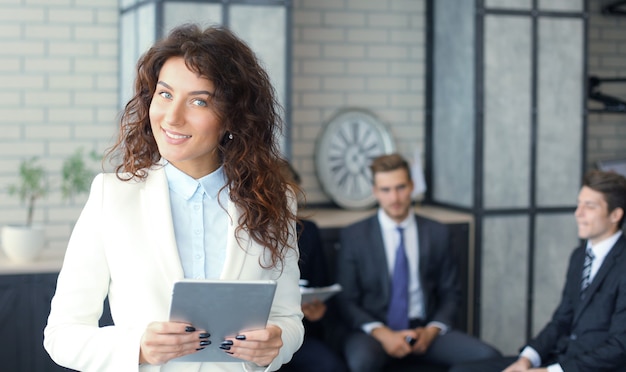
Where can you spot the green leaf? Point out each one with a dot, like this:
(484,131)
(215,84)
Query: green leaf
(32,184)
(76,176)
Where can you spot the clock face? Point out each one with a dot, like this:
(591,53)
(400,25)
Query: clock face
(344,152)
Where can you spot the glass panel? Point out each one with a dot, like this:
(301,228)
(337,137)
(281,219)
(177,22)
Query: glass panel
(128,45)
(137,34)
(453,102)
(264,29)
(175,14)
(504,277)
(507,111)
(146,25)
(563,5)
(559,110)
(509,4)
(124,4)
(555,238)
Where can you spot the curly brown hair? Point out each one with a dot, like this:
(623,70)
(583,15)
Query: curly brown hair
(247,108)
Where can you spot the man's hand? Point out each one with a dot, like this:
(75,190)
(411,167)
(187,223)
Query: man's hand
(163,341)
(314,310)
(521,364)
(394,342)
(425,337)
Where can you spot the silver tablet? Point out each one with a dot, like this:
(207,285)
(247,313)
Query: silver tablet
(223,308)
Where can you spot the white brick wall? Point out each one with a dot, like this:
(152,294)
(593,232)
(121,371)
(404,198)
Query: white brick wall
(606,132)
(356,53)
(58,72)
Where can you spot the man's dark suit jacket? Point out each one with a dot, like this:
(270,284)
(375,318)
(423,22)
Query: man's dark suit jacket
(589,334)
(313,267)
(363,273)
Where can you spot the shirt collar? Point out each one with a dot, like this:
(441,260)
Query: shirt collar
(388,224)
(186,186)
(600,250)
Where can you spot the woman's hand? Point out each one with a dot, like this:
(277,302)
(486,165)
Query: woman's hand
(260,346)
(163,341)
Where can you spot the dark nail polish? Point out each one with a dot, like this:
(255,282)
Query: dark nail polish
(200,348)
(190,329)
(226,343)
(241,337)
(228,352)
(204,335)
(225,347)
(205,343)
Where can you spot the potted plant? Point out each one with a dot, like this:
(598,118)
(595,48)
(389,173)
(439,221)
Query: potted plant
(76,175)
(24,243)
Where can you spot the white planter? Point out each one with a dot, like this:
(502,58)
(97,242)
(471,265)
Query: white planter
(22,243)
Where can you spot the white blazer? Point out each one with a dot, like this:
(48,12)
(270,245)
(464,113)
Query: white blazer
(123,246)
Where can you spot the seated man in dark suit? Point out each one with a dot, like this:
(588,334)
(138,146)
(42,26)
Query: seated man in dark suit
(400,283)
(315,354)
(587,331)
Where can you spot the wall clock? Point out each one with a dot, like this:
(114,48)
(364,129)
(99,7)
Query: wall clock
(348,144)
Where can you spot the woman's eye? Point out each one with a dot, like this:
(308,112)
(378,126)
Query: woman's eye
(165,95)
(200,102)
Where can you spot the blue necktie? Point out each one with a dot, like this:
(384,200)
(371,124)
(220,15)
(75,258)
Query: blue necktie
(586,277)
(398,311)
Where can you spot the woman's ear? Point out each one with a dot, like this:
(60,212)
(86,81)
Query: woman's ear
(226,138)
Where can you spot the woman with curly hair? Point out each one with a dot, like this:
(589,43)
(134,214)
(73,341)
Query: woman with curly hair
(198,192)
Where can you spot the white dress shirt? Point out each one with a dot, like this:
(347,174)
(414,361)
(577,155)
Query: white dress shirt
(391,240)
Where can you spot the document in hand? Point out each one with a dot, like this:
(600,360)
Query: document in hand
(321,293)
(222,308)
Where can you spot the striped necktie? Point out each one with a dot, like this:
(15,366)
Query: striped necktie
(586,275)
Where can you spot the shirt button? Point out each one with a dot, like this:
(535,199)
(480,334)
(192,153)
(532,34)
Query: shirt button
(573,337)
(196,207)
(197,232)
(198,257)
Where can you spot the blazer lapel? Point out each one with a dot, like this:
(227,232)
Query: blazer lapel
(423,246)
(605,269)
(379,256)
(158,222)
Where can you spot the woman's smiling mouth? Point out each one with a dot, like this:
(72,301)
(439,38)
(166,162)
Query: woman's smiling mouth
(175,135)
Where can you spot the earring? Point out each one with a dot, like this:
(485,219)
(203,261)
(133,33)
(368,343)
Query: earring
(230,136)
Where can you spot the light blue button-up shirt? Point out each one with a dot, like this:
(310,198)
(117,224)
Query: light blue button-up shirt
(200,223)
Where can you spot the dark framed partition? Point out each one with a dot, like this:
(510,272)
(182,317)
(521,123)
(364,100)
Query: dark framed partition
(505,142)
(264,24)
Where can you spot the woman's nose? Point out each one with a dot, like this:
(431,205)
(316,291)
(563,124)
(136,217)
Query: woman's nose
(174,114)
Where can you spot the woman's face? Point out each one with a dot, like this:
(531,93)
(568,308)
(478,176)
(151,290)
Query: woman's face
(184,122)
